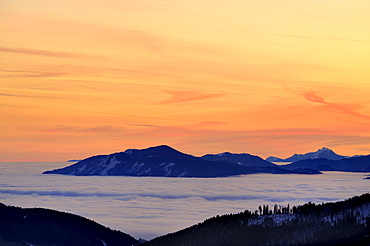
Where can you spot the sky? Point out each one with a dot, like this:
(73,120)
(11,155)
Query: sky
(82,78)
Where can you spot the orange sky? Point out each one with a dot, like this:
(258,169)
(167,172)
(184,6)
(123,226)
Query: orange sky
(81,78)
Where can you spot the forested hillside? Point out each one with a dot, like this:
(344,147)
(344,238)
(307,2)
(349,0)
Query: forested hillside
(44,227)
(341,223)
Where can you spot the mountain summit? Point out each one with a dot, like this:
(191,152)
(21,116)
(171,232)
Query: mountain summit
(321,153)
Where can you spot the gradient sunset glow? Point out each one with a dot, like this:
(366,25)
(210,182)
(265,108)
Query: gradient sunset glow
(81,78)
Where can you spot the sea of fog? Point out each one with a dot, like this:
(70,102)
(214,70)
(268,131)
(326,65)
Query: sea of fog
(147,207)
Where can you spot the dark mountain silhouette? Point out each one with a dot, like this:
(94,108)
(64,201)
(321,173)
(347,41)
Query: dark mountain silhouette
(341,223)
(241,159)
(163,161)
(155,161)
(321,153)
(38,226)
(354,164)
(274,159)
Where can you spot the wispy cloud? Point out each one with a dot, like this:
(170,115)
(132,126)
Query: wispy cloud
(263,142)
(208,124)
(91,130)
(19,95)
(313,97)
(56,54)
(314,37)
(185,96)
(144,125)
(124,38)
(290,35)
(34,75)
(91,111)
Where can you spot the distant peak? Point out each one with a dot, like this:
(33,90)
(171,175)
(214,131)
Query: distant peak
(155,149)
(164,146)
(224,153)
(324,149)
(130,151)
(161,147)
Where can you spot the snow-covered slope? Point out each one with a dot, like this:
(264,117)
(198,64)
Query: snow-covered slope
(321,153)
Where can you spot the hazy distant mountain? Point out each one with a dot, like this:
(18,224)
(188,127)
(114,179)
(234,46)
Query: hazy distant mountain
(321,153)
(37,226)
(341,223)
(354,164)
(163,161)
(274,159)
(241,159)
(254,164)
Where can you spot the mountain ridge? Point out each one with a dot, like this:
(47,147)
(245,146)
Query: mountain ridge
(164,161)
(353,164)
(324,152)
(242,159)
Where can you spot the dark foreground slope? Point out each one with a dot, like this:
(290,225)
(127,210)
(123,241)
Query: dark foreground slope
(340,223)
(164,161)
(37,226)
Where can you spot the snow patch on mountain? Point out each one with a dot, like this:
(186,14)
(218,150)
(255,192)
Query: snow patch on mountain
(168,166)
(113,162)
(129,151)
(86,168)
(277,219)
(136,167)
